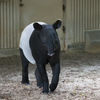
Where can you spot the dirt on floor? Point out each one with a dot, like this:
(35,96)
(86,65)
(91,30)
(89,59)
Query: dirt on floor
(79,79)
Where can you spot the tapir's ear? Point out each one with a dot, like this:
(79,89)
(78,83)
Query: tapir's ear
(57,24)
(37,26)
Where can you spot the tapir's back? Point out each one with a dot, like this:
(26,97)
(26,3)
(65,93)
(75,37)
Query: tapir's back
(24,42)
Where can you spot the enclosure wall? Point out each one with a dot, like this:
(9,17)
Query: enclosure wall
(9,24)
(81,15)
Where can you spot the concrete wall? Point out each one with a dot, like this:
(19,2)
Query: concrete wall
(92,41)
(47,11)
(16,15)
(81,15)
(9,24)
(9,27)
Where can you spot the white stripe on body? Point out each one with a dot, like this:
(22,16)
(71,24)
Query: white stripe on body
(24,41)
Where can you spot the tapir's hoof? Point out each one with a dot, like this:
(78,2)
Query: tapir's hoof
(26,83)
(40,86)
(45,92)
(52,87)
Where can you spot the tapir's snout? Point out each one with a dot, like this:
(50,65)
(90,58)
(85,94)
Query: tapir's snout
(51,54)
(52,47)
(51,51)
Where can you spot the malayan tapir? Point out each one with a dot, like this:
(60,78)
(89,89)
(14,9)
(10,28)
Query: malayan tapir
(39,43)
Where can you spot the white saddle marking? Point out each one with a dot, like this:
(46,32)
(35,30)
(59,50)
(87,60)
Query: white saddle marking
(24,42)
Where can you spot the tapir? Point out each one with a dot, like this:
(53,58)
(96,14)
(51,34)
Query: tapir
(40,45)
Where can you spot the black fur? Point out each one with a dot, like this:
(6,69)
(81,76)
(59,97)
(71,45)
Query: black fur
(45,48)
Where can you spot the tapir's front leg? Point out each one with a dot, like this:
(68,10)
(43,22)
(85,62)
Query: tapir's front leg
(44,77)
(25,64)
(55,78)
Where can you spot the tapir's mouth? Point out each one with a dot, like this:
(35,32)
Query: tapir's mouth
(51,54)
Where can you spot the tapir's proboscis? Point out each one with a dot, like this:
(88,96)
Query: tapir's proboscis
(39,44)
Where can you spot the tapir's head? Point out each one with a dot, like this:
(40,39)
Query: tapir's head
(48,36)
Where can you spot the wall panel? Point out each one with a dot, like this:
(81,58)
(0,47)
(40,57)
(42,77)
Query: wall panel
(81,15)
(47,11)
(9,24)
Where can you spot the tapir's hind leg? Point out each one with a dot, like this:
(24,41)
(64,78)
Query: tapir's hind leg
(25,64)
(38,78)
